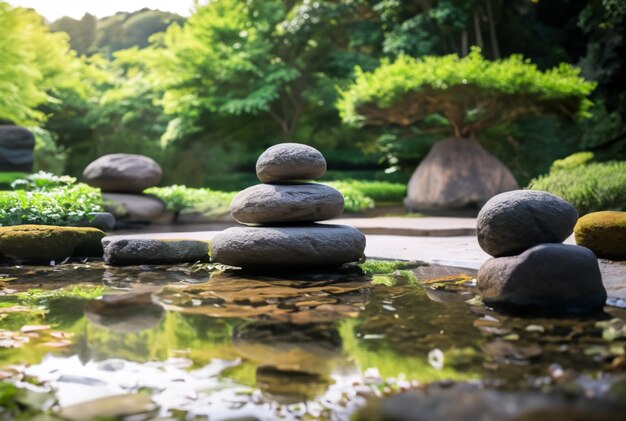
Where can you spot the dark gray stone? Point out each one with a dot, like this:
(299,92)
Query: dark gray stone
(104,221)
(551,278)
(307,245)
(134,207)
(290,161)
(16,149)
(457,174)
(272,203)
(123,173)
(514,221)
(139,251)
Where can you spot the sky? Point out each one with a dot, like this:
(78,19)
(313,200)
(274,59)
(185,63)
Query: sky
(54,9)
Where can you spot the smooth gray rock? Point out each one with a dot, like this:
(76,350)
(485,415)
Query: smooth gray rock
(139,251)
(16,149)
(551,278)
(307,245)
(514,221)
(134,207)
(275,203)
(457,174)
(104,221)
(290,161)
(123,173)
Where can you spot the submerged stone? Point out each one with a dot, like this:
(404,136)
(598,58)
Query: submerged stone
(604,233)
(139,251)
(276,203)
(290,161)
(514,221)
(123,173)
(550,278)
(49,242)
(307,245)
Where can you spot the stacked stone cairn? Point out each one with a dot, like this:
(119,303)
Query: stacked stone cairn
(531,271)
(122,179)
(281,214)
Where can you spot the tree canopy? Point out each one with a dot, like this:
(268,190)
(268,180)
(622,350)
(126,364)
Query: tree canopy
(470,93)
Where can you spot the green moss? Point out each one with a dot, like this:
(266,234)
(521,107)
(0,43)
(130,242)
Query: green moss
(604,233)
(387,267)
(47,242)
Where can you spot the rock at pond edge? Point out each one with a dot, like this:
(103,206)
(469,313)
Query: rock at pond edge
(139,251)
(604,233)
(548,278)
(307,245)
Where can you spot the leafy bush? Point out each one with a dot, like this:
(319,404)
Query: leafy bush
(572,161)
(58,206)
(206,201)
(42,181)
(6,178)
(592,187)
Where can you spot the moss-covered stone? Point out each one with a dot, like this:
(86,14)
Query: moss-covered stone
(604,233)
(48,242)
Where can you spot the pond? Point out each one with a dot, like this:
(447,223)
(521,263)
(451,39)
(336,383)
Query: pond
(205,341)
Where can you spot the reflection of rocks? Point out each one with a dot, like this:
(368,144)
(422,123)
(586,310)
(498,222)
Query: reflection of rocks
(295,361)
(125,313)
(462,402)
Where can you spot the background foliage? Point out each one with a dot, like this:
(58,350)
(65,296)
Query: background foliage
(215,89)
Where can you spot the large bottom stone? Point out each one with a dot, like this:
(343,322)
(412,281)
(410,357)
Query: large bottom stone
(308,245)
(548,278)
(142,251)
(48,242)
(604,233)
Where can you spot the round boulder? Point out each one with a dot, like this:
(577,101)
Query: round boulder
(548,278)
(307,245)
(276,203)
(44,243)
(134,207)
(123,173)
(604,233)
(16,149)
(290,161)
(514,221)
(457,174)
(141,251)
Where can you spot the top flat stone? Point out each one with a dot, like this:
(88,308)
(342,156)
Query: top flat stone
(290,161)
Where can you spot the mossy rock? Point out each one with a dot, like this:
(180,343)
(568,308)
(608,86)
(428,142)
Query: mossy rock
(48,242)
(604,233)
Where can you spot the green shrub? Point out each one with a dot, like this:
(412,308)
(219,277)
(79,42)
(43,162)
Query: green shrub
(6,178)
(590,188)
(206,201)
(42,181)
(58,206)
(355,200)
(572,161)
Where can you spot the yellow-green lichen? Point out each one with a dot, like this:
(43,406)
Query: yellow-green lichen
(604,233)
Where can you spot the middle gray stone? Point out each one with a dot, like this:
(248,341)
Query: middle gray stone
(277,203)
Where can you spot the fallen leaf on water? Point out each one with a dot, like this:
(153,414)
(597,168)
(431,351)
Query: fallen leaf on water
(58,344)
(117,406)
(34,328)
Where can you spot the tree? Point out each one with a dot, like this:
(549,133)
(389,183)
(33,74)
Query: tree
(461,97)
(36,65)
